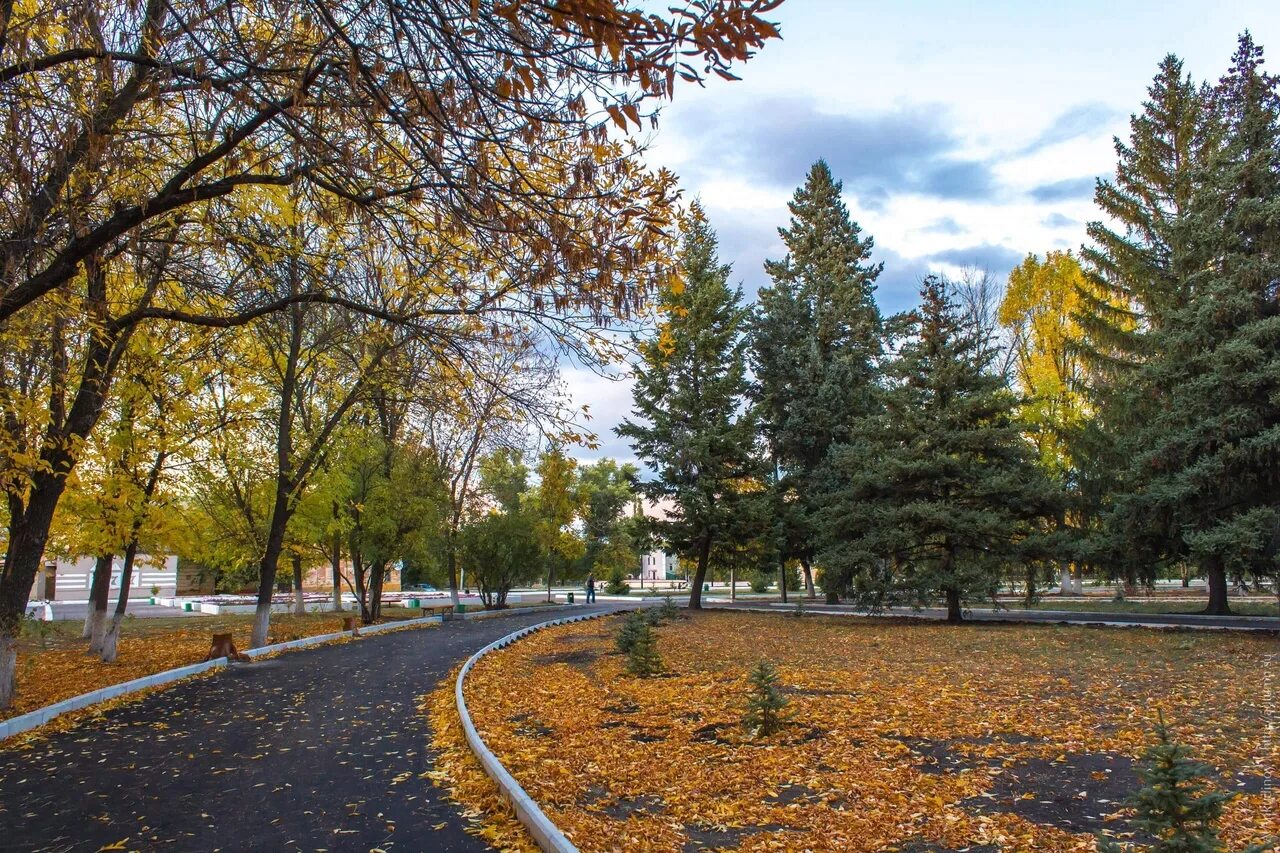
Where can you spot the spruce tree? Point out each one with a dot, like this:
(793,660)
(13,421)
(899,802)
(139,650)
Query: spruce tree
(766,706)
(815,348)
(643,659)
(1204,467)
(1140,261)
(1176,805)
(691,423)
(935,496)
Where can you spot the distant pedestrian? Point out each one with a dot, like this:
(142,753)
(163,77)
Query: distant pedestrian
(591,588)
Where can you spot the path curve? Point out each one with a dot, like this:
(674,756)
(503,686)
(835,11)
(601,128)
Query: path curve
(322,748)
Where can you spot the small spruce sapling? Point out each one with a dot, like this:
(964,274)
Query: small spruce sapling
(668,609)
(1176,805)
(643,659)
(626,638)
(766,706)
(617,584)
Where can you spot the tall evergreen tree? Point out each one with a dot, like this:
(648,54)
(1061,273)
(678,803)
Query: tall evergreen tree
(815,351)
(937,494)
(1205,472)
(1141,262)
(692,425)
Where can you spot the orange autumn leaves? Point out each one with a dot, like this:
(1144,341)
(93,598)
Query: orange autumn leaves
(904,735)
(63,669)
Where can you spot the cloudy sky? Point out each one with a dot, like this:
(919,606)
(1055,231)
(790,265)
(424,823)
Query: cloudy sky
(965,133)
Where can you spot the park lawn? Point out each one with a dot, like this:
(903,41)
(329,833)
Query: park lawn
(908,737)
(54,664)
(1255,606)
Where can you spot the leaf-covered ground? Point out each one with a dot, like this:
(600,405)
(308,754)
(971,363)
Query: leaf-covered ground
(909,737)
(57,665)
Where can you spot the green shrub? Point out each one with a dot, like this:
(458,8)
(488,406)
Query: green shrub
(760,583)
(765,703)
(668,610)
(1176,805)
(617,584)
(626,637)
(643,659)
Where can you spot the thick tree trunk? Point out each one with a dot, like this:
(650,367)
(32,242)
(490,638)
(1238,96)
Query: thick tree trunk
(299,605)
(954,613)
(1186,576)
(111,638)
(99,592)
(782,579)
(1029,594)
(700,573)
(280,513)
(337,573)
(809,591)
(28,532)
(376,576)
(1216,574)
(8,668)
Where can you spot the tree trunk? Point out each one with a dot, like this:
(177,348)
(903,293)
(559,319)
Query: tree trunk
(99,592)
(28,531)
(362,592)
(451,560)
(111,639)
(337,573)
(551,573)
(954,613)
(700,573)
(8,669)
(1029,596)
(782,579)
(376,575)
(1216,574)
(733,583)
(280,513)
(809,591)
(299,605)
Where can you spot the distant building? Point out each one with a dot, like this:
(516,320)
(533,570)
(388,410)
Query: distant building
(69,580)
(659,566)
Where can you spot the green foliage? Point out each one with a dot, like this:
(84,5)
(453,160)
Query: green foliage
(815,343)
(499,551)
(766,706)
(668,609)
(625,639)
(1201,477)
(643,659)
(760,582)
(936,495)
(617,584)
(691,426)
(1176,804)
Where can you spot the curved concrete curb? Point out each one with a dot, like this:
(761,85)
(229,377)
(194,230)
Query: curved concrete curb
(34,719)
(40,716)
(544,832)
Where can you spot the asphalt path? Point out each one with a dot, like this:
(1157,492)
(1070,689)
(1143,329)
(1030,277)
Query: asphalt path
(322,749)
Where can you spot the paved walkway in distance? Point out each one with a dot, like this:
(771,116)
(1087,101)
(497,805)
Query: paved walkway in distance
(315,749)
(1153,620)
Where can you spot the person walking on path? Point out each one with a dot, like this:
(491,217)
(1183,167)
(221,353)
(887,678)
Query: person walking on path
(591,588)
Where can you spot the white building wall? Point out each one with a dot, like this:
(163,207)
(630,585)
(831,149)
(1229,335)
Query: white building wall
(658,566)
(74,577)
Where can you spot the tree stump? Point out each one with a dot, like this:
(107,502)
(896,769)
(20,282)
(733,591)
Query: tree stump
(349,624)
(225,647)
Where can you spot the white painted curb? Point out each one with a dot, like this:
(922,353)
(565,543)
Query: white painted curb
(544,832)
(40,716)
